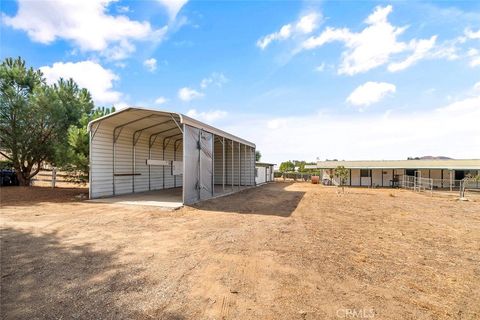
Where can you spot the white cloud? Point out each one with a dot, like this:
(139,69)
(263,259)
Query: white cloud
(150,64)
(208,116)
(420,50)
(187,94)
(472,52)
(87,74)
(369,93)
(373,46)
(472,34)
(173,7)
(320,68)
(276,123)
(475,62)
(476,87)
(474,56)
(392,135)
(123,9)
(306,24)
(85,23)
(216,78)
(161,100)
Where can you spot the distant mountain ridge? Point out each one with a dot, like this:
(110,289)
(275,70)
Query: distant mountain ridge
(430,158)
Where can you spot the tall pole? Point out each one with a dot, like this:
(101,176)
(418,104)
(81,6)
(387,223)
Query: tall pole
(223,164)
(239,166)
(213,165)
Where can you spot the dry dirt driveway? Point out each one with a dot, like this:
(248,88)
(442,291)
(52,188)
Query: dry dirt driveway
(280,251)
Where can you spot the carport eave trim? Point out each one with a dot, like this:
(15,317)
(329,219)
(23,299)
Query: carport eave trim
(218,132)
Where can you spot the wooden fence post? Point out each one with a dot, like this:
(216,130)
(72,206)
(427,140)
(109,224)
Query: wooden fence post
(54,177)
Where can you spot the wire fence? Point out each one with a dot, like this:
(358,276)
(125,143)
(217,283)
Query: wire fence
(293,176)
(420,184)
(469,184)
(415,183)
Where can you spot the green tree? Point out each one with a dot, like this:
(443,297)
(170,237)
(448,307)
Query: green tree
(258,155)
(35,117)
(287,166)
(342,174)
(76,159)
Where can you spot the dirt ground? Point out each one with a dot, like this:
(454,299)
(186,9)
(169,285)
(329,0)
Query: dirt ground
(280,251)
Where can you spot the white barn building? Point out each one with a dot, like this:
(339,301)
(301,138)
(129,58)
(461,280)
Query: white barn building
(166,156)
(263,172)
(388,173)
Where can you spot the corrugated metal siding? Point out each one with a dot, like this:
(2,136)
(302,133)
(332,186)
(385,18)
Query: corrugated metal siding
(102,164)
(236,164)
(246,162)
(161,176)
(261,174)
(229,171)
(218,161)
(156,177)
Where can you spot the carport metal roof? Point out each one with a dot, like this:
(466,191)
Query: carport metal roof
(149,121)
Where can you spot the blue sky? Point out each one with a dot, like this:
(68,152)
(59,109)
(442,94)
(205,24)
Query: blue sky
(303,80)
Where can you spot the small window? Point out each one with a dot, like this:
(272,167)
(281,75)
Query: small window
(364,173)
(410,172)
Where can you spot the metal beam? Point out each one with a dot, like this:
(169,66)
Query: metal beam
(156,134)
(213,166)
(223,164)
(240,165)
(95,130)
(115,138)
(149,127)
(175,147)
(175,120)
(164,146)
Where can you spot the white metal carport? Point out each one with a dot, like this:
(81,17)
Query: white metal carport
(137,150)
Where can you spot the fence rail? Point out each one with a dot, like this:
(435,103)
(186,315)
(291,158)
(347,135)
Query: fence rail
(469,184)
(295,176)
(53,177)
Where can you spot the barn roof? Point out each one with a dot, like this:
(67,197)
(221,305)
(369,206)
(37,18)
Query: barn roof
(450,164)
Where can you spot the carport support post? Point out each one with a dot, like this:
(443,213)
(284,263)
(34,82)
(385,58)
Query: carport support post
(133,163)
(233,168)
(239,166)
(175,148)
(90,164)
(213,165)
(245,162)
(223,164)
(134,152)
(452,174)
(163,167)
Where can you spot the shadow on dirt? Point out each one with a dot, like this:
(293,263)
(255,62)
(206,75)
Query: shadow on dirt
(30,196)
(43,279)
(273,199)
